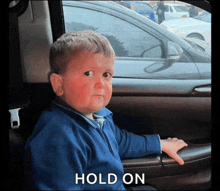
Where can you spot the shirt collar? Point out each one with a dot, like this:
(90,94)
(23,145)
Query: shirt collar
(99,114)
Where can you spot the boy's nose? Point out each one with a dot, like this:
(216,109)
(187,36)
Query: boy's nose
(99,83)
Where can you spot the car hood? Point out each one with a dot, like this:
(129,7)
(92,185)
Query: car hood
(175,23)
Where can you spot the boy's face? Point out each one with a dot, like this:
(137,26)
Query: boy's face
(87,83)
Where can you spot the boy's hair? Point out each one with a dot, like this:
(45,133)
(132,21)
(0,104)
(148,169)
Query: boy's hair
(71,44)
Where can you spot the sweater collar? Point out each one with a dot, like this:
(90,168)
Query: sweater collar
(101,113)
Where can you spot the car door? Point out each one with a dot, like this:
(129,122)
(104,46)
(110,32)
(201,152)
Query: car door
(152,97)
(143,9)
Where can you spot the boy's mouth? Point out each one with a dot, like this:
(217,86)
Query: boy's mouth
(101,93)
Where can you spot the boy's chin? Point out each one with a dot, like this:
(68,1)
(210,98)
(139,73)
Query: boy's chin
(98,105)
(95,109)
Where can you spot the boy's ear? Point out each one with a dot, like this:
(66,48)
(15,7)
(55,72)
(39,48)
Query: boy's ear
(57,84)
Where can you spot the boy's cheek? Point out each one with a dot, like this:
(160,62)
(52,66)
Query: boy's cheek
(108,93)
(110,87)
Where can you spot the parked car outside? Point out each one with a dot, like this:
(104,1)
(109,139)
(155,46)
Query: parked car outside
(204,16)
(174,11)
(189,27)
(199,44)
(142,8)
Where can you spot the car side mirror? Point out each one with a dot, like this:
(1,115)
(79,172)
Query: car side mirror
(174,52)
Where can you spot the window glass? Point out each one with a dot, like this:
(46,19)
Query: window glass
(204,16)
(181,8)
(127,39)
(135,37)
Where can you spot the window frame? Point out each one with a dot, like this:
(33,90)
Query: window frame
(56,18)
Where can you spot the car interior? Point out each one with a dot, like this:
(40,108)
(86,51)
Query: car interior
(170,108)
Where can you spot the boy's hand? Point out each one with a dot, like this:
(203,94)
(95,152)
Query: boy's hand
(172,146)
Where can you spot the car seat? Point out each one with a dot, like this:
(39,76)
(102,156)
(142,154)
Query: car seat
(16,167)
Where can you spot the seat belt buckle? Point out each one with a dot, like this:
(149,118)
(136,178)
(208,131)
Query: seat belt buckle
(15,119)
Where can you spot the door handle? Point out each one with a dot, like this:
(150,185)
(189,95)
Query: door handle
(202,91)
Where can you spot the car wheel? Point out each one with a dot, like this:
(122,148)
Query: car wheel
(196,35)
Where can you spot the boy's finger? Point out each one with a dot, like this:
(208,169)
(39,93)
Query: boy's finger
(178,159)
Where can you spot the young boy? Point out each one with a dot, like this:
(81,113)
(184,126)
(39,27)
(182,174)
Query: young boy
(76,145)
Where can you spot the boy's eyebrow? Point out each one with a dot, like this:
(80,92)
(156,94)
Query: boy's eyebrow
(92,68)
(110,70)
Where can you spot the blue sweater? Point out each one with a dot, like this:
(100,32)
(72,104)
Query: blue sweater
(68,151)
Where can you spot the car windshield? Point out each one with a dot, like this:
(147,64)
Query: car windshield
(181,8)
(204,16)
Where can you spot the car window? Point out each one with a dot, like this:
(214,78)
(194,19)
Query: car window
(127,39)
(181,9)
(206,18)
(141,43)
(167,8)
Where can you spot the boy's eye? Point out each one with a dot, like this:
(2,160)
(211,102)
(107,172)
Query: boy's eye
(107,75)
(89,73)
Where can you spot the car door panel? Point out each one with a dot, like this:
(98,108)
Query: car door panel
(189,181)
(185,118)
(165,107)
(171,109)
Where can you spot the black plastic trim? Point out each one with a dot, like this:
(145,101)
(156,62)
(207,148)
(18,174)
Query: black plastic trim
(56,18)
(20,8)
(196,157)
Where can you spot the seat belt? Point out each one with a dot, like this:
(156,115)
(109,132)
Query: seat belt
(18,96)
